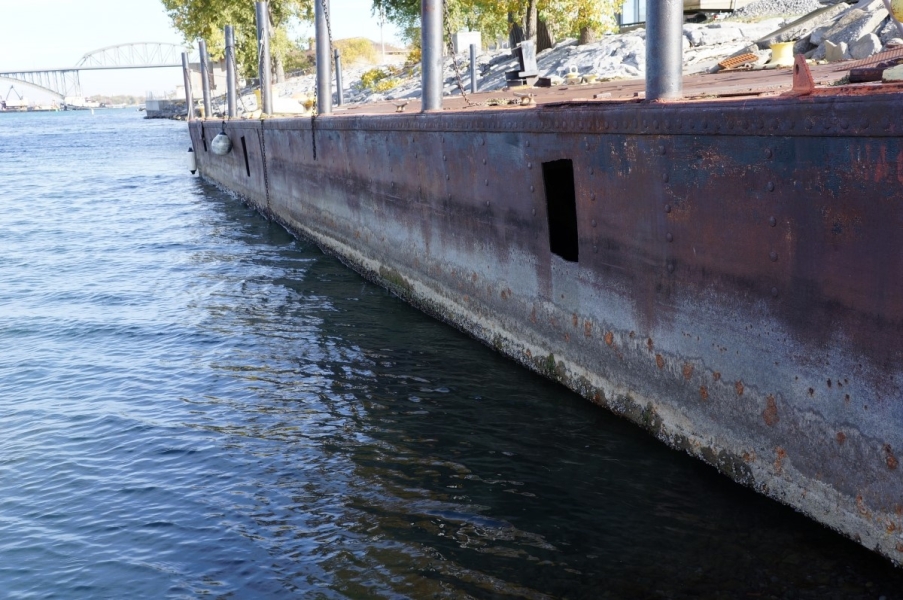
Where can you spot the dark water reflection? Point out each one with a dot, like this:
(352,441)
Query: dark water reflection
(196,404)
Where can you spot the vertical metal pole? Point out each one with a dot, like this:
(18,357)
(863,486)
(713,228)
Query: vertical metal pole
(473,68)
(205,77)
(231,101)
(324,67)
(186,74)
(431,54)
(263,57)
(340,97)
(664,49)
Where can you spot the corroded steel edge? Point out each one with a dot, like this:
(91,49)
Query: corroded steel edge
(736,296)
(818,116)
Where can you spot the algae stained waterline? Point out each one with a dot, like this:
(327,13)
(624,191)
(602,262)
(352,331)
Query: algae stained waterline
(194,402)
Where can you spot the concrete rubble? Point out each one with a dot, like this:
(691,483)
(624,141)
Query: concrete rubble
(820,29)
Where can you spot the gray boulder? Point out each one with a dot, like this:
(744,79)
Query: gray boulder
(888,31)
(708,36)
(802,46)
(835,52)
(818,34)
(856,22)
(802,26)
(865,46)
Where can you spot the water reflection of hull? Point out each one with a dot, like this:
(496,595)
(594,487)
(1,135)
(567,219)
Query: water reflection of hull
(723,274)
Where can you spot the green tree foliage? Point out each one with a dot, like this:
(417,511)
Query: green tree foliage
(205,19)
(565,18)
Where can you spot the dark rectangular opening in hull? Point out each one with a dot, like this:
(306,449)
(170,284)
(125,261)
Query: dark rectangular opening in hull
(561,207)
(244,147)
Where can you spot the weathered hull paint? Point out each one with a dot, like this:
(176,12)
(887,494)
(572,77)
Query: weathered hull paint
(738,291)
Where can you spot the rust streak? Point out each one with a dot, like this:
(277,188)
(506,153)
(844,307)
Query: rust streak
(780,455)
(688,371)
(659,361)
(739,387)
(770,414)
(890,458)
(609,338)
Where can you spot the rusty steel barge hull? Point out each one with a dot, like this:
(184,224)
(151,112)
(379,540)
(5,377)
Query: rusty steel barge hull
(730,278)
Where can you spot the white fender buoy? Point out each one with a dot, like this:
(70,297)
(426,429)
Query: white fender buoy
(192,161)
(221,144)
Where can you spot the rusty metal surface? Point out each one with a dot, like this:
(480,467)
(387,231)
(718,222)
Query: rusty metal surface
(803,83)
(886,56)
(726,83)
(737,290)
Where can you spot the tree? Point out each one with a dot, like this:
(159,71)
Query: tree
(564,18)
(205,19)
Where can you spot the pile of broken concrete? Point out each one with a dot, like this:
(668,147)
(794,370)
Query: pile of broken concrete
(840,32)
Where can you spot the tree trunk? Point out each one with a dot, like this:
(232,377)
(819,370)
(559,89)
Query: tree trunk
(532,18)
(515,36)
(588,35)
(544,39)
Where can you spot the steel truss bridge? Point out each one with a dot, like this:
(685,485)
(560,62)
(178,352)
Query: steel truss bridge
(64,82)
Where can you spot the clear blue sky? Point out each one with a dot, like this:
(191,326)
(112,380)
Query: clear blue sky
(57,33)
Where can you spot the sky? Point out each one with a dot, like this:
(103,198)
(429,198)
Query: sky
(48,34)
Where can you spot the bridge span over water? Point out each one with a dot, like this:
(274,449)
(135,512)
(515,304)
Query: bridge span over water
(64,82)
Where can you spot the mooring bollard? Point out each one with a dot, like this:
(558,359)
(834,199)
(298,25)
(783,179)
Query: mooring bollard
(232,104)
(340,97)
(186,75)
(263,58)
(431,54)
(664,49)
(324,67)
(205,76)
(473,68)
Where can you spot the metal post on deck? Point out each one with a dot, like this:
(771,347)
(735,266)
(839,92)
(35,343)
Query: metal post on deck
(205,77)
(324,66)
(232,104)
(263,57)
(186,74)
(473,68)
(340,97)
(664,49)
(431,54)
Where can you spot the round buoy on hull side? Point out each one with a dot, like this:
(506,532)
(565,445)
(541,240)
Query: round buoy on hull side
(192,161)
(221,144)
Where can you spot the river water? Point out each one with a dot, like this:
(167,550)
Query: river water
(195,403)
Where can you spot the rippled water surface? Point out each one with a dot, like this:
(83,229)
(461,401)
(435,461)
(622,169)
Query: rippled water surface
(194,403)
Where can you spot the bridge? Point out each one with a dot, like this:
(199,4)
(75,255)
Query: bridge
(64,82)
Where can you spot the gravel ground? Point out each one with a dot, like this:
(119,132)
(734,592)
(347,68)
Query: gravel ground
(768,8)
